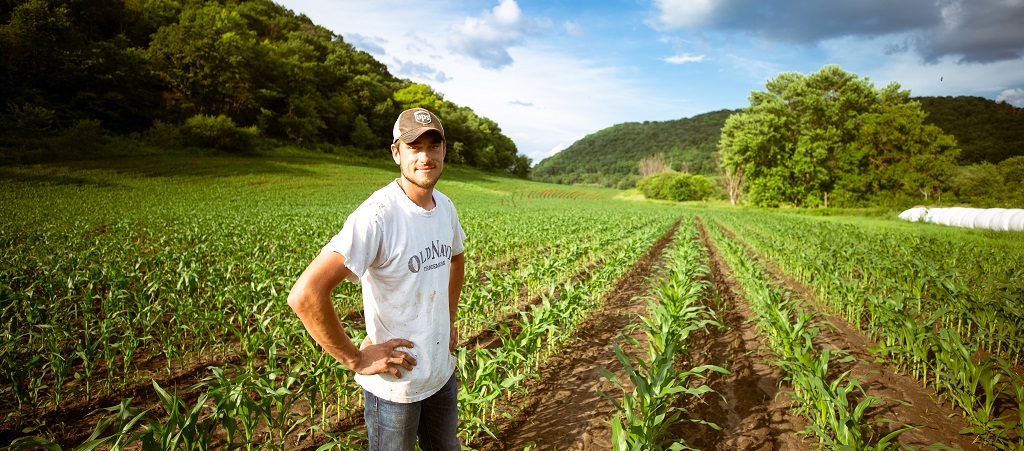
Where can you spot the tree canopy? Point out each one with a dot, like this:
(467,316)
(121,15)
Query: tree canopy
(131,64)
(833,138)
(987,131)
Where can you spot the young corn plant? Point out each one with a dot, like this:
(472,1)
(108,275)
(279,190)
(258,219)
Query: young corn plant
(278,398)
(646,412)
(186,426)
(115,432)
(234,405)
(838,421)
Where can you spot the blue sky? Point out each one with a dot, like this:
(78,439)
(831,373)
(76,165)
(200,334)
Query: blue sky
(551,72)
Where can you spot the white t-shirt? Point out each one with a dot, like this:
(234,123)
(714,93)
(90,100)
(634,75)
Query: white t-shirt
(402,256)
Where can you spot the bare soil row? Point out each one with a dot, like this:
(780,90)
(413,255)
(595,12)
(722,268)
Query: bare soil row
(564,411)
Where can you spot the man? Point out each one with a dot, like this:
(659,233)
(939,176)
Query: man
(404,244)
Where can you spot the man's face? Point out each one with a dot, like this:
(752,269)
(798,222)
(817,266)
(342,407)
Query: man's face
(422,160)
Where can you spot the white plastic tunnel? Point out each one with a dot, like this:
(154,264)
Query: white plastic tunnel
(1008,219)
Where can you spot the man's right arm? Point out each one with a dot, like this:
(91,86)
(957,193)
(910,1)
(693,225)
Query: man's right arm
(310,298)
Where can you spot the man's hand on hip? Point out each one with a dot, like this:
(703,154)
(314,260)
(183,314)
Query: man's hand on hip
(384,358)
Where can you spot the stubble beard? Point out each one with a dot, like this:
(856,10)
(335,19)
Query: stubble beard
(424,182)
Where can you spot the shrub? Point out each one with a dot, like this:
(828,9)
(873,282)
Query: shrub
(671,185)
(163,134)
(219,132)
(27,121)
(701,187)
(83,137)
(627,182)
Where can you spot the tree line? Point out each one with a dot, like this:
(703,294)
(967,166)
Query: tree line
(833,138)
(829,138)
(192,69)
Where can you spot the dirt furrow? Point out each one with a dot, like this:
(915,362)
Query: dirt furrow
(906,403)
(562,409)
(751,410)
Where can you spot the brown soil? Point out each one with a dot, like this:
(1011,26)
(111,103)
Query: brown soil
(564,411)
(753,411)
(936,422)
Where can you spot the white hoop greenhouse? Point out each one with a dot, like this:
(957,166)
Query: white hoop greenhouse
(975,218)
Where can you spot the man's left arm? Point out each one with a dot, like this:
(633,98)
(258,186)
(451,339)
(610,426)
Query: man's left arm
(455,280)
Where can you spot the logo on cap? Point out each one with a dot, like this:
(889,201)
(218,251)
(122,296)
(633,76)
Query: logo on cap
(422,117)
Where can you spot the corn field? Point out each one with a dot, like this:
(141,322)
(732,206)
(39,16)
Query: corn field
(144,307)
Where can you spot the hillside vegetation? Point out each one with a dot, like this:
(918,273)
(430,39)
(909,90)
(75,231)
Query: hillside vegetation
(77,77)
(986,131)
(610,157)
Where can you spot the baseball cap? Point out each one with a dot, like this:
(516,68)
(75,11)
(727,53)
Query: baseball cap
(414,122)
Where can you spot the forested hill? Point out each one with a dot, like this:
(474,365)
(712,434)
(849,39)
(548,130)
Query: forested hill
(985,130)
(221,73)
(610,157)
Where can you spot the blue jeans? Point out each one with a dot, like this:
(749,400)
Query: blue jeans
(393,426)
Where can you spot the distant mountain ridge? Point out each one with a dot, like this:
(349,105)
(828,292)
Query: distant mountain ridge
(610,157)
(986,131)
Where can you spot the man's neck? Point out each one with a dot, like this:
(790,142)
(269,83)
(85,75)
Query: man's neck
(423,197)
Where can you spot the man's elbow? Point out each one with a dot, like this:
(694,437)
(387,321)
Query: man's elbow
(297,299)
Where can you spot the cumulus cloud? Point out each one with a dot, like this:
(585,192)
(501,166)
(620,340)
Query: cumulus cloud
(978,31)
(799,20)
(574,29)
(370,44)
(1014,97)
(412,69)
(488,37)
(685,13)
(684,58)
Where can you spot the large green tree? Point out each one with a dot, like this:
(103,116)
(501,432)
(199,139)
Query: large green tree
(207,60)
(832,137)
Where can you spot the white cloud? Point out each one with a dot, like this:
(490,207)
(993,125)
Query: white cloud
(975,31)
(487,38)
(568,98)
(412,69)
(682,13)
(1014,97)
(370,44)
(574,29)
(544,98)
(947,76)
(684,58)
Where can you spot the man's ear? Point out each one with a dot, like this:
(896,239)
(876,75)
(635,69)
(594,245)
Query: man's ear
(395,154)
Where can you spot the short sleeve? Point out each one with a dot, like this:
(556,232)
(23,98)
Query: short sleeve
(460,235)
(361,239)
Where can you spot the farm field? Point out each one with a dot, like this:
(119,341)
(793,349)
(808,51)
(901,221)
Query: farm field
(143,305)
